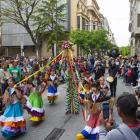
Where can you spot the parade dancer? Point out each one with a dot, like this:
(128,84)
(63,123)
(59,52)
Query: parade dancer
(52,94)
(35,103)
(86,85)
(12,121)
(91,130)
(103,86)
(74,91)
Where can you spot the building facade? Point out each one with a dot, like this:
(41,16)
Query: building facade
(134,26)
(85,16)
(82,14)
(13,36)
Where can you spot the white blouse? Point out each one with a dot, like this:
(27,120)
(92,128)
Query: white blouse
(95,96)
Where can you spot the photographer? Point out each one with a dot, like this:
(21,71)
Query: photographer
(4,75)
(127,105)
(85,66)
(99,70)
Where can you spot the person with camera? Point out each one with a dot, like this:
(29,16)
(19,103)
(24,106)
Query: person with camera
(127,106)
(4,75)
(99,70)
(86,67)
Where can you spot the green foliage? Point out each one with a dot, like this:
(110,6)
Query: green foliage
(89,40)
(47,21)
(125,50)
(43,13)
(81,38)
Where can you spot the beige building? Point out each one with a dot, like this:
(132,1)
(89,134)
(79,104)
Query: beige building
(134,26)
(82,14)
(85,16)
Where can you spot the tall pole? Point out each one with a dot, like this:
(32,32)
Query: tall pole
(56,29)
(70,85)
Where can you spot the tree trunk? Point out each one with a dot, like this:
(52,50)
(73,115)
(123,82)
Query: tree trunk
(38,48)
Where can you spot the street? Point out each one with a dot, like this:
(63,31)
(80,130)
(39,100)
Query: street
(56,118)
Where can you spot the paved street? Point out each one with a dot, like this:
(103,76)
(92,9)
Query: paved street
(55,117)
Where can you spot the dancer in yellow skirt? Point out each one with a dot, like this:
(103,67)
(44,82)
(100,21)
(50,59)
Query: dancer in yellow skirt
(35,103)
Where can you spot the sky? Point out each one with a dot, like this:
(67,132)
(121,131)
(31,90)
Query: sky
(117,13)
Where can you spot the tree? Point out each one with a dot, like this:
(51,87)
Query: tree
(23,11)
(90,40)
(80,38)
(47,17)
(125,50)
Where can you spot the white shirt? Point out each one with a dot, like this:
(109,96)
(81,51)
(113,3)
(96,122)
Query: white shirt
(95,96)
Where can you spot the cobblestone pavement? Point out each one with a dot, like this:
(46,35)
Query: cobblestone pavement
(55,117)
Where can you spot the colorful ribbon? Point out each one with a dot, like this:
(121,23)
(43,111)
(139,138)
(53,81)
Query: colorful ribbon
(40,69)
(46,79)
(75,83)
(77,62)
(61,61)
(44,88)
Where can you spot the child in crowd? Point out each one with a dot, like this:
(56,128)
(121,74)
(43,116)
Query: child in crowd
(96,95)
(35,103)
(125,73)
(12,121)
(103,87)
(52,94)
(136,93)
(128,76)
(83,87)
(134,72)
(62,74)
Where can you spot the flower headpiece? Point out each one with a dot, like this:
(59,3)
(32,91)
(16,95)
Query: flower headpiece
(67,45)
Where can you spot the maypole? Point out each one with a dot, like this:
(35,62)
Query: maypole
(70,84)
(66,46)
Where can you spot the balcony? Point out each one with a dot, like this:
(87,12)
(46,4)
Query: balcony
(94,10)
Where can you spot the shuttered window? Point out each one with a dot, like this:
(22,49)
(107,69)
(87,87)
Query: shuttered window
(94,26)
(87,25)
(78,22)
(138,20)
(83,23)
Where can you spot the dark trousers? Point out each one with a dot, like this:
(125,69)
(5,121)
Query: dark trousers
(129,80)
(113,87)
(4,87)
(134,80)
(125,78)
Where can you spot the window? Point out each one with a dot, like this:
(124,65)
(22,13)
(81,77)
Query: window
(34,49)
(87,25)
(94,25)
(83,23)
(138,20)
(78,22)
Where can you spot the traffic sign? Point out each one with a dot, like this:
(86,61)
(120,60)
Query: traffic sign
(21,46)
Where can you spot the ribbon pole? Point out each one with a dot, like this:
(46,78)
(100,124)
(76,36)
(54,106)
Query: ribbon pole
(75,83)
(70,83)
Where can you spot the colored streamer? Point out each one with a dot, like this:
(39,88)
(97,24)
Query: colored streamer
(40,69)
(46,79)
(44,88)
(75,83)
(84,72)
(61,61)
